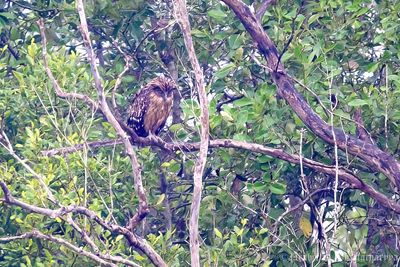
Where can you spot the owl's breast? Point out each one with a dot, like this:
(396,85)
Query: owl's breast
(157,112)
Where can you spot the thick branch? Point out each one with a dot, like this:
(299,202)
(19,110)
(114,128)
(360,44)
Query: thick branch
(344,174)
(370,153)
(182,17)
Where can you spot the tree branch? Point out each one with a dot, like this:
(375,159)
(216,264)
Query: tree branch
(263,8)
(102,106)
(182,17)
(344,174)
(143,209)
(35,233)
(133,240)
(60,93)
(370,153)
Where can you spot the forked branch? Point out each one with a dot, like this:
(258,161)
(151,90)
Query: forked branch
(370,153)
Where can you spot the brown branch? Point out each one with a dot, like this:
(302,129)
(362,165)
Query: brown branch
(182,17)
(102,106)
(143,209)
(370,153)
(100,258)
(60,93)
(263,8)
(344,174)
(78,250)
(68,150)
(132,238)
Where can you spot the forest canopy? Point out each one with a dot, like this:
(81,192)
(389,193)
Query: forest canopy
(281,147)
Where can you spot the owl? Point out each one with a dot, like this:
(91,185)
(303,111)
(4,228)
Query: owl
(151,106)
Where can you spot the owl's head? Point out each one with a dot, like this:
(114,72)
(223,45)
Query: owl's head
(162,86)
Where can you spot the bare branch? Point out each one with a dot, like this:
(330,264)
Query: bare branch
(35,233)
(143,207)
(133,239)
(182,17)
(60,93)
(100,258)
(344,174)
(8,146)
(93,145)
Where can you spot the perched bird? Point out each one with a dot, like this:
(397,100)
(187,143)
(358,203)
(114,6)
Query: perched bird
(151,106)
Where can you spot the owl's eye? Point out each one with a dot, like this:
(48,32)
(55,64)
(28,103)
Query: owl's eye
(158,89)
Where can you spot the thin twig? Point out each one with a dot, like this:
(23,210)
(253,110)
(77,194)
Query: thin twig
(8,146)
(36,234)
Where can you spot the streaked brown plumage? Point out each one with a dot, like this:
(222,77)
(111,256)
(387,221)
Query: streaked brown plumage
(151,106)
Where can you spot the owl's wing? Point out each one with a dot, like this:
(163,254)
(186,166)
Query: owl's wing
(136,113)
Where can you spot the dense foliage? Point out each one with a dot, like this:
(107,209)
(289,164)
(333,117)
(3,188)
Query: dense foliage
(344,57)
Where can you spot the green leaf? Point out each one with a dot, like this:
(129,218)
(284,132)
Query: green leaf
(235,41)
(313,18)
(217,233)
(259,187)
(119,237)
(198,33)
(226,116)
(372,67)
(217,14)
(243,102)
(224,71)
(19,77)
(358,103)
(277,188)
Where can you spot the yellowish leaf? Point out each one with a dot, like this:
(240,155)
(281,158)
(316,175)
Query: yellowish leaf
(306,227)
(160,199)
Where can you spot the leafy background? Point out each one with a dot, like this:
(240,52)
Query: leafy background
(345,49)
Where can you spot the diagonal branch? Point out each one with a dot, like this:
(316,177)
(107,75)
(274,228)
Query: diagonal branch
(133,240)
(370,153)
(182,17)
(60,93)
(102,106)
(100,258)
(263,8)
(8,146)
(143,209)
(36,234)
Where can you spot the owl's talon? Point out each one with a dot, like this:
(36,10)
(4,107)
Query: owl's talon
(154,138)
